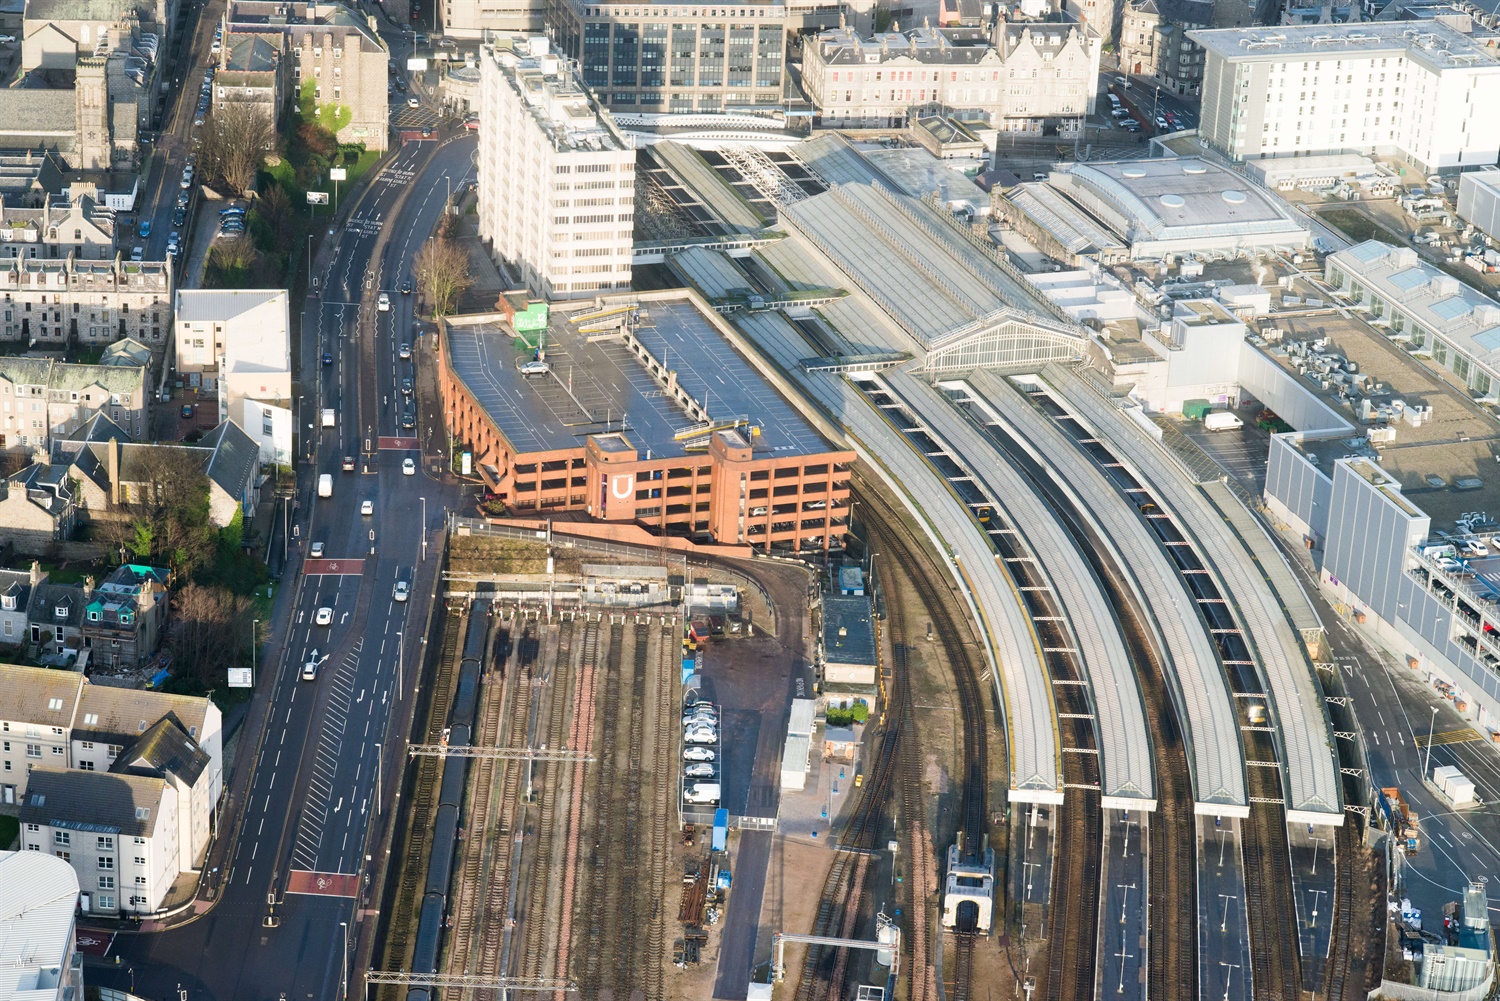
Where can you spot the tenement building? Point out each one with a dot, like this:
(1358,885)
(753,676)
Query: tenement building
(42,399)
(1035,77)
(1423,92)
(556,178)
(643,414)
(54,304)
(1155,41)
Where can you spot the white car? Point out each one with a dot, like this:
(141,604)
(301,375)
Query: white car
(408,467)
(412,102)
(7,39)
(403,590)
(1476,548)
(697,754)
(367,508)
(701,734)
(324,616)
(699,771)
(383,303)
(405,352)
(310,669)
(317,551)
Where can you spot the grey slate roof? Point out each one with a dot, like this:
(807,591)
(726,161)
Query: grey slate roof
(26,371)
(251,53)
(163,749)
(45,599)
(104,801)
(34,111)
(127,713)
(126,353)
(235,460)
(29,694)
(99,428)
(114,378)
(16,584)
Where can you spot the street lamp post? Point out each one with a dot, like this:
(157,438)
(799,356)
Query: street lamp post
(344,973)
(1432,720)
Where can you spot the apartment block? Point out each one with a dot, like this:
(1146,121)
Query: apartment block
(237,343)
(41,399)
(556,178)
(1036,77)
(1155,41)
(54,304)
(1418,91)
(336,56)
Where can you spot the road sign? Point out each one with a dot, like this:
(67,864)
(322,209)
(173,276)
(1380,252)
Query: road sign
(338,174)
(317,198)
(239,677)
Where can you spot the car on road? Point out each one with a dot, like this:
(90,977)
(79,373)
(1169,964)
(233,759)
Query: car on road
(408,467)
(412,102)
(408,421)
(327,358)
(324,616)
(701,735)
(1130,125)
(137,254)
(383,303)
(406,287)
(697,754)
(348,463)
(183,199)
(310,669)
(198,120)
(317,551)
(405,352)
(174,244)
(406,386)
(402,592)
(367,508)
(144,229)
(7,39)
(187,177)
(187,410)
(179,217)
(702,770)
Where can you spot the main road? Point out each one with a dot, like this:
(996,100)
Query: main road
(301,835)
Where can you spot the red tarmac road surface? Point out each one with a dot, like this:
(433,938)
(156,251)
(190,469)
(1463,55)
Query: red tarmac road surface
(334,568)
(327,884)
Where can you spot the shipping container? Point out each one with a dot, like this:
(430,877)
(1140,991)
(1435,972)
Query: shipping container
(1196,410)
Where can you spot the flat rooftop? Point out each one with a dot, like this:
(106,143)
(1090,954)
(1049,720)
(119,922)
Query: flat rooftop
(1457,442)
(601,387)
(1431,43)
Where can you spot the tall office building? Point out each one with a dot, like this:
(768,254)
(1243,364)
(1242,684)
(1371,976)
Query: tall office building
(556,178)
(1422,91)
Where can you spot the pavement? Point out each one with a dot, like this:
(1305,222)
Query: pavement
(320,760)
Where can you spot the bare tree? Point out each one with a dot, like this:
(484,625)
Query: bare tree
(165,510)
(236,140)
(210,629)
(442,269)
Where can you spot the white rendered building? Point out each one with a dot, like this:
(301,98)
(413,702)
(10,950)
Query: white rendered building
(238,342)
(556,178)
(38,903)
(1422,91)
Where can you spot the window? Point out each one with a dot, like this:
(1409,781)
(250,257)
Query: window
(140,881)
(33,750)
(57,752)
(106,843)
(106,882)
(139,841)
(114,750)
(85,765)
(65,856)
(140,860)
(106,862)
(62,838)
(106,902)
(33,828)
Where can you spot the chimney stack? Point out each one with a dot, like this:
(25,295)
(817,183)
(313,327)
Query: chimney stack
(36,573)
(112,467)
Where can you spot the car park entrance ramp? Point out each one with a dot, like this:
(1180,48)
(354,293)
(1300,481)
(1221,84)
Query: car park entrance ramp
(1298,718)
(1011,645)
(1127,778)
(1197,685)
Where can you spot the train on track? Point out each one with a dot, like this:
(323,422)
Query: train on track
(457,733)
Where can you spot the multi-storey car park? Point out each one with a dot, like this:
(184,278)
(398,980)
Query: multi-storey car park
(926,300)
(647,419)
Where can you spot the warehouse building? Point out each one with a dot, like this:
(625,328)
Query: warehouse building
(642,414)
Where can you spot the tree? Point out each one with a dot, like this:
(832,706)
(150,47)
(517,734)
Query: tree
(236,140)
(165,516)
(210,629)
(442,270)
(276,209)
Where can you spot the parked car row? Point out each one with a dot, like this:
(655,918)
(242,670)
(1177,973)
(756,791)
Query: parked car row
(700,766)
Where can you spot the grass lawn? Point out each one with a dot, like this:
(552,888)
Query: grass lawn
(1359,227)
(9,828)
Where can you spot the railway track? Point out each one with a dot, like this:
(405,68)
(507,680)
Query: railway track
(653,945)
(534,920)
(421,812)
(906,552)
(624,851)
(500,834)
(596,908)
(1268,904)
(1346,968)
(963,967)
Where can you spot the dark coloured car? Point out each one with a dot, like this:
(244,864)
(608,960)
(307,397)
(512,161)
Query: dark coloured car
(409,421)
(327,358)
(187,410)
(406,386)
(179,218)
(406,287)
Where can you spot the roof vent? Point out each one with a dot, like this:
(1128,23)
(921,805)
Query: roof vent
(1195,168)
(1233,196)
(1173,201)
(1135,173)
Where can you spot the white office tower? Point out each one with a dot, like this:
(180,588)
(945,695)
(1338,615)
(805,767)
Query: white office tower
(1419,90)
(556,178)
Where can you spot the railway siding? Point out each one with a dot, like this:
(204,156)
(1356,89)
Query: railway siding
(1198,686)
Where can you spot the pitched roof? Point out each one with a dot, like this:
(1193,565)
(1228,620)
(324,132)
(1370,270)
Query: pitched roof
(38,895)
(35,111)
(130,712)
(113,378)
(163,749)
(37,694)
(16,584)
(99,427)
(235,461)
(45,600)
(126,353)
(26,371)
(108,802)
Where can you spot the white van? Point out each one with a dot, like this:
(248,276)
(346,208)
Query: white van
(325,485)
(701,792)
